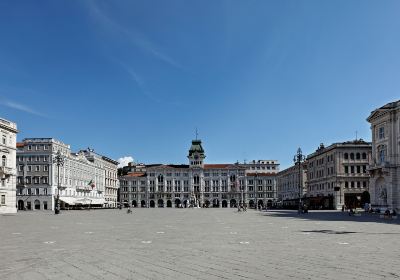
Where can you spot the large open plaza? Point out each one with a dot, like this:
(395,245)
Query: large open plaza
(197,244)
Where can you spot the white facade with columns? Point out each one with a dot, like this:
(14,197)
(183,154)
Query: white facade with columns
(199,184)
(8,134)
(385,166)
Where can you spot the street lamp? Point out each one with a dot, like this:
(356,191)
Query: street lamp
(255,191)
(298,159)
(59,161)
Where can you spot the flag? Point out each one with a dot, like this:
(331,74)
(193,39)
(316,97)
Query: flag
(91,183)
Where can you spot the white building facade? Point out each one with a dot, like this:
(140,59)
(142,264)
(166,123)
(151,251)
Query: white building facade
(385,165)
(337,175)
(81,180)
(291,184)
(198,184)
(8,132)
(111,183)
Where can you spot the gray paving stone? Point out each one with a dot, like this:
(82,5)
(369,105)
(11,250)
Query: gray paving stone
(197,244)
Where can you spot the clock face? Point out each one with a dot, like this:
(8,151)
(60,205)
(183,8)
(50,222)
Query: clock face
(196,157)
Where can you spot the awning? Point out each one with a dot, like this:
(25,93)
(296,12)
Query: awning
(91,201)
(69,200)
(100,201)
(83,201)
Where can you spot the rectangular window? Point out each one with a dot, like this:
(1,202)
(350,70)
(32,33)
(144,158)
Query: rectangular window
(29,167)
(381,132)
(37,147)
(45,168)
(3,199)
(29,147)
(20,167)
(45,147)
(37,168)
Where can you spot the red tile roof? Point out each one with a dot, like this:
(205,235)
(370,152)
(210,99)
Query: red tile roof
(136,174)
(216,166)
(20,144)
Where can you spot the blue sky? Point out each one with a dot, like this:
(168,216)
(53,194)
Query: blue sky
(258,79)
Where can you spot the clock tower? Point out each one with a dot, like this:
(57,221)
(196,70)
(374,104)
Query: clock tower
(196,154)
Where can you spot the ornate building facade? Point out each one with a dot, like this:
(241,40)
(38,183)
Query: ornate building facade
(289,187)
(82,179)
(337,175)
(197,184)
(8,131)
(385,165)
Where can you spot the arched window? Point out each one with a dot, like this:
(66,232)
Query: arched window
(196,179)
(3,161)
(160,179)
(358,156)
(351,156)
(346,156)
(364,155)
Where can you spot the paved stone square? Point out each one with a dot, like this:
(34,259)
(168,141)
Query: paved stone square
(197,244)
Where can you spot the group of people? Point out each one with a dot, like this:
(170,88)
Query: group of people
(389,214)
(242,207)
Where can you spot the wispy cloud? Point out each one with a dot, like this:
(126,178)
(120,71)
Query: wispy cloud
(134,36)
(139,81)
(18,106)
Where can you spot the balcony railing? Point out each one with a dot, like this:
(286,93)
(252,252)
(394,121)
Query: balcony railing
(6,172)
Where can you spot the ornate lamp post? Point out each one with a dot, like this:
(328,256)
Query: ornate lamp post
(59,161)
(255,192)
(298,159)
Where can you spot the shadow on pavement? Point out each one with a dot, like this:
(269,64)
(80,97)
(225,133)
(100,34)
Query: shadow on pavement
(321,215)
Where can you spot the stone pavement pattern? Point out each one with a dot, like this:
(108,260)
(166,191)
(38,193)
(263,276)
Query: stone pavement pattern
(197,244)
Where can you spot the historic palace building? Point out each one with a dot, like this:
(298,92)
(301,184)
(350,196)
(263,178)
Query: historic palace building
(385,165)
(8,132)
(291,184)
(338,175)
(198,184)
(84,177)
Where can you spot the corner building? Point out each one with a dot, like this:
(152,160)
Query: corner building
(199,184)
(385,165)
(337,175)
(8,131)
(83,176)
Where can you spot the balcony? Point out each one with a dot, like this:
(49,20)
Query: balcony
(6,172)
(83,189)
